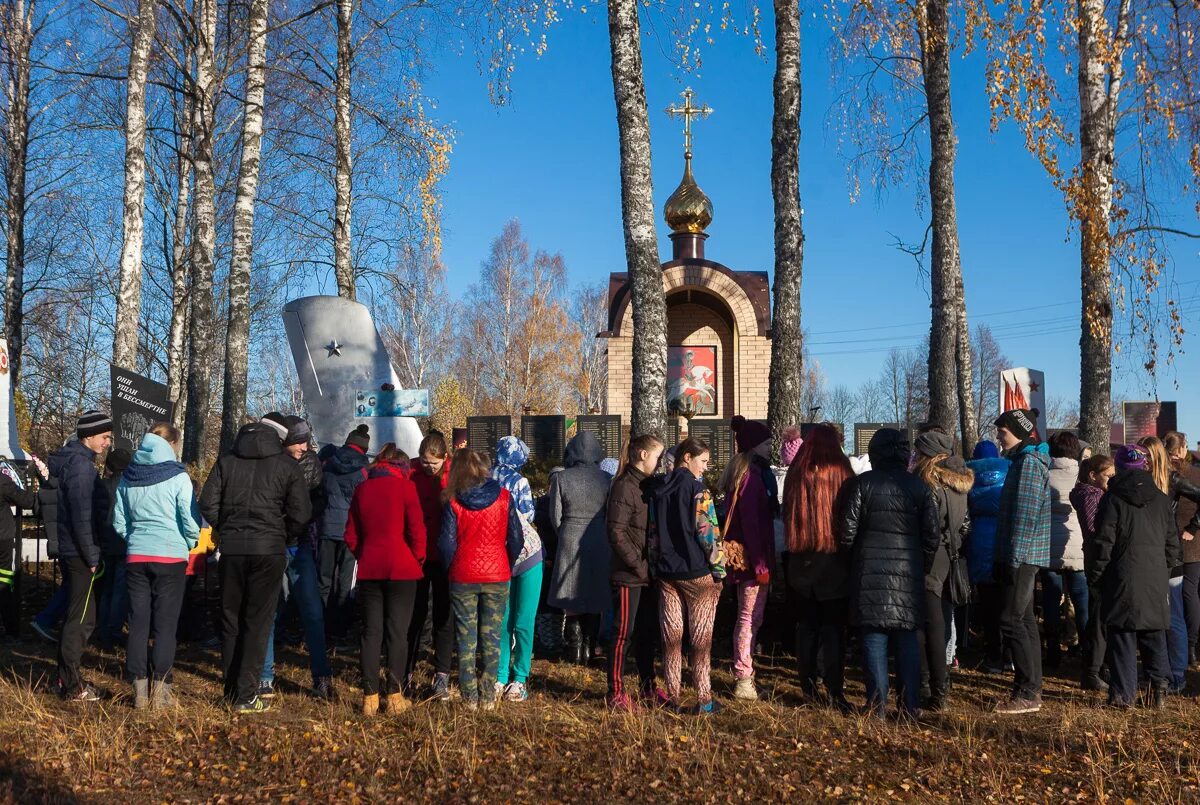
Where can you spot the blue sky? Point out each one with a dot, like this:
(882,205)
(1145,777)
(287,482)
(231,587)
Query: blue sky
(550,158)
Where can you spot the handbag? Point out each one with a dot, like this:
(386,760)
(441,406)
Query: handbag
(958,580)
(734,551)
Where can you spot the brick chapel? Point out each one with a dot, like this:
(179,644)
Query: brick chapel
(718,319)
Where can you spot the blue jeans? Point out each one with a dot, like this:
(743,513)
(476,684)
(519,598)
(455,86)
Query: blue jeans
(1052,593)
(875,643)
(303,584)
(56,607)
(114,600)
(1177,636)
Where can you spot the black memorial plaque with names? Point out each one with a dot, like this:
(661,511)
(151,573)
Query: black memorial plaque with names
(546,437)
(606,428)
(484,431)
(718,436)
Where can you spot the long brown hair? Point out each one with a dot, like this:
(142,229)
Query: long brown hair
(469,468)
(1160,462)
(1174,441)
(434,444)
(692,446)
(812,492)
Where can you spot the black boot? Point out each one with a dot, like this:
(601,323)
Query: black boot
(576,648)
(1053,654)
(1191,661)
(591,637)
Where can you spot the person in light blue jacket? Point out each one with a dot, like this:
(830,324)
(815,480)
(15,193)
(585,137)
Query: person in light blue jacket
(157,516)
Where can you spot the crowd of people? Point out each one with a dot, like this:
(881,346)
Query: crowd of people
(905,551)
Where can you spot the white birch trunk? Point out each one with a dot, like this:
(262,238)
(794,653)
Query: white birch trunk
(20,40)
(945,271)
(637,210)
(129,288)
(180,298)
(237,337)
(786,377)
(201,329)
(1099,92)
(343,268)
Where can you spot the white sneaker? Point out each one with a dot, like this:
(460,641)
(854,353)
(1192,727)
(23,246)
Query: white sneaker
(516,692)
(745,690)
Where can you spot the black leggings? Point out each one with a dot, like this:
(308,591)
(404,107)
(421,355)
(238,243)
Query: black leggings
(934,642)
(387,608)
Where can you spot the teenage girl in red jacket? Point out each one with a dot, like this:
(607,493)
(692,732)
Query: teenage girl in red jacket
(385,531)
(480,541)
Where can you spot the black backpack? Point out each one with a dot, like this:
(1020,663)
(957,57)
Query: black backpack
(47,502)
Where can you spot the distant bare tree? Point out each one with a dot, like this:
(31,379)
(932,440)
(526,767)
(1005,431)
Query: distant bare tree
(590,310)
(988,361)
(416,318)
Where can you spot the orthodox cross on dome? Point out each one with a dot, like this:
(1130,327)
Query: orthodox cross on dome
(687,112)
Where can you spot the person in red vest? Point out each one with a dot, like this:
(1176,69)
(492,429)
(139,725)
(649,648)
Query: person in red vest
(480,541)
(385,531)
(429,474)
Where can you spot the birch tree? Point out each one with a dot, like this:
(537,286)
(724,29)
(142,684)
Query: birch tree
(1131,137)
(787,342)
(893,63)
(177,352)
(129,294)
(637,214)
(343,267)
(237,337)
(17,44)
(203,264)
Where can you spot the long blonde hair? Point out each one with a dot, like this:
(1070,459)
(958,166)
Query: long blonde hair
(737,473)
(1160,462)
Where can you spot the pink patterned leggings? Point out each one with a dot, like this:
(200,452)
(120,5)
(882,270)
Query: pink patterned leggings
(752,602)
(700,597)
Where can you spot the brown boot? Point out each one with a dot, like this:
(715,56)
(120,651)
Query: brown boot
(370,704)
(396,703)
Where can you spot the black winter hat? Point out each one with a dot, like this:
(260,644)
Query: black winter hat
(93,423)
(934,443)
(118,460)
(360,437)
(1020,422)
(298,431)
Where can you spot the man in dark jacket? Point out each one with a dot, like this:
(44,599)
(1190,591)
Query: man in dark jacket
(257,501)
(73,470)
(20,497)
(114,596)
(1022,550)
(1136,547)
(891,528)
(345,469)
(303,585)
(635,604)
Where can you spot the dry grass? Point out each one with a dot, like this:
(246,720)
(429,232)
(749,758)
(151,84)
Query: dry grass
(563,746)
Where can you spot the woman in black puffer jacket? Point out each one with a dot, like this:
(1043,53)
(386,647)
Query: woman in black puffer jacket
(891,528)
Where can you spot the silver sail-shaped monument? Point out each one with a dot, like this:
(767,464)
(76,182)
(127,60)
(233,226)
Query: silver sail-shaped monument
(338,354)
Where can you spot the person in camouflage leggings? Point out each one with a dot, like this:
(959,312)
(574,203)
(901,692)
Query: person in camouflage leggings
(478,621)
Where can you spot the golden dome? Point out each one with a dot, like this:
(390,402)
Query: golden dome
(688,209)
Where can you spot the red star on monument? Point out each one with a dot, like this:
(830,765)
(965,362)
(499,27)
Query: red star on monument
(1034,386)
